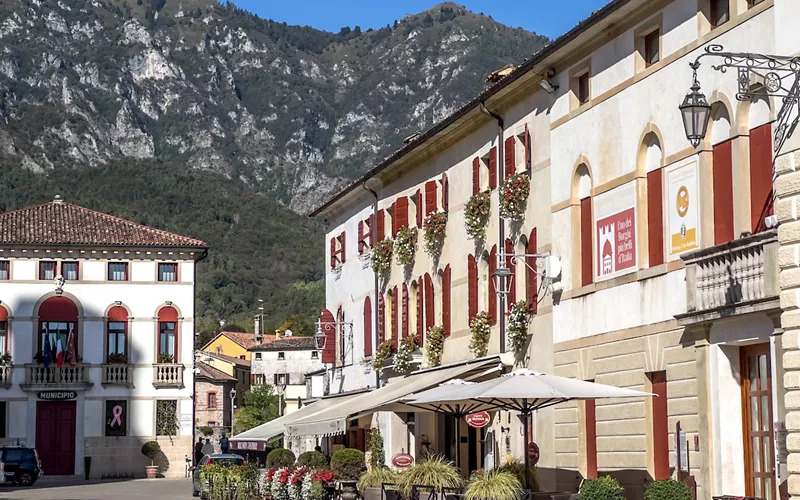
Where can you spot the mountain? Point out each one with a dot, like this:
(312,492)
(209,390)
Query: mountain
(239,124)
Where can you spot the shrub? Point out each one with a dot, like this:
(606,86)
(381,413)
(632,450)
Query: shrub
(206,430)
(517,469)
(348,464)
(150,449)
(377,456)
(312,459)
(434,471)
(667,489)
(376,477)
(493,485)
(280,458)
(602,488)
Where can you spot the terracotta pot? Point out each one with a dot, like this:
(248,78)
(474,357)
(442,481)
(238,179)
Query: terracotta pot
(151,470)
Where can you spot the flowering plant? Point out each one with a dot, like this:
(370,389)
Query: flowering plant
(271,474)
(518,318)
(382,354)
(323,476)
(295,489)
(405,354)
(434,345)
(279,485)
(481,330)
(476,215)
(382,256)
(513,197)
(435,226)
(405,243)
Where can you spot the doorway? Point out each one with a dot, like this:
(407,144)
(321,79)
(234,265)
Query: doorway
(759,442)
(55,437)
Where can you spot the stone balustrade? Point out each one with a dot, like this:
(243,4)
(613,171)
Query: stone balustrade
(55,376)
(5,376)
(117,374)
(168,375)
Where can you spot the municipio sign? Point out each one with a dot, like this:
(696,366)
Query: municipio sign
(402,460)
(57,395)
(478,420)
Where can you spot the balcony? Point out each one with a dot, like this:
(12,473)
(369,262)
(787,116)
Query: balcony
(5,376)
(117,374)
(168,375)
(54,377)
(739,277)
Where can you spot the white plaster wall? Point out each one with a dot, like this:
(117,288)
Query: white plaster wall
(680,26)
(612,63)
(727,420)
(295,363)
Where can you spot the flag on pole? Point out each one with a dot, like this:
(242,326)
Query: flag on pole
(71,349)
(46,346)
(59,353)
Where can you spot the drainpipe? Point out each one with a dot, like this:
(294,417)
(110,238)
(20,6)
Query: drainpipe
(375,308)
(501,261)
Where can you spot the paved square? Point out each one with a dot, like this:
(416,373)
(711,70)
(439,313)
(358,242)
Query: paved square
(55,489)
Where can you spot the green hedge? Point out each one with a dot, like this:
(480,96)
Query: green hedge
(667,489)
(602,488)
(279,458)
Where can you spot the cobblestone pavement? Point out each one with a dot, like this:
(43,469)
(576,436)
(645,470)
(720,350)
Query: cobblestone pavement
(72,489)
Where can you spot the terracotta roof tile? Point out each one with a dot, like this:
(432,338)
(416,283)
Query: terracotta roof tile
(288,344)
(211,373)
(230,359)
(61,223)
(247,340)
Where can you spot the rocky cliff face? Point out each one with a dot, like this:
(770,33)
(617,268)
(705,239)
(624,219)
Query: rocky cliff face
(291,112)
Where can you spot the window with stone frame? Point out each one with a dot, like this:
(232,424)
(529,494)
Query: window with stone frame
(166,417)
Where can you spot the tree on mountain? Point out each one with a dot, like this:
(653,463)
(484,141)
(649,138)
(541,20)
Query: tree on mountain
(428,21)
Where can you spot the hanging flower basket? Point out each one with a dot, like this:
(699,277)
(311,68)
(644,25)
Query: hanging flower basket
(517,328)
(383,353)
(405,354)
(382,257)
(514,197)
(435,226)
(476,215)
(434,345)
(481,331)
(405,243)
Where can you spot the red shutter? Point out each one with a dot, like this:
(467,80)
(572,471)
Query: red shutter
(360,237)
(395,330)
(381,319)
(723,193)
(430,197)
(367,327)
(420,310)
(527,148)
(512,293)
(329,329)
(342,250)
(509,156)
(760,175)
(401,212)
(333,252)
(472,287)
(587,260)
(660,425)
(591,439)
(476,176)
(445,193)
(493,168)
(252,379)
(492,309)
(531,278)
(379,226)
(446,300)
(418,202)
(430,317)
(655,218)
(393,213)
(404,330)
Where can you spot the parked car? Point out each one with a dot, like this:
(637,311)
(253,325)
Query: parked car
(226,460)
(20,464)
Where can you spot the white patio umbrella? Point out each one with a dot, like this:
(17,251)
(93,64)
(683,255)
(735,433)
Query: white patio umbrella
(524,391)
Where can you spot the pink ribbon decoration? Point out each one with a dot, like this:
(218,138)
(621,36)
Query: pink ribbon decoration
(117,420)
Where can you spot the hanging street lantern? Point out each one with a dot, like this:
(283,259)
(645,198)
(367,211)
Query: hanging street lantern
(502,276)
(319,338)
(695,112)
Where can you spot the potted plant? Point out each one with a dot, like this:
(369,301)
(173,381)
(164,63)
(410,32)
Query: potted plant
(405,355)
(348,465)
(312,459)
(382,257)
(150,449)
(435,227)
(602,488)
(405,244)
(117,358)
(517,469)
(476,215)
(383,353)
(369,485)
(436,472)
(481,332)
(514,197)
(377,455)
(667,489)
(493,485)
(434,346)
(517,328)
(166,358)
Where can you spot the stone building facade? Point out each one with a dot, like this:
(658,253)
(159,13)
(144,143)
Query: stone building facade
(212,395)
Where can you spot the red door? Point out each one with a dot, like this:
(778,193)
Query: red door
(55,436)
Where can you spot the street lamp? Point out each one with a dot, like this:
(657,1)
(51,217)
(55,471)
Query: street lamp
(233,406)
(503,280)
(696,112)
(319,338)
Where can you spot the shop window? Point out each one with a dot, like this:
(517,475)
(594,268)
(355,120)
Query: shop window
(166,417)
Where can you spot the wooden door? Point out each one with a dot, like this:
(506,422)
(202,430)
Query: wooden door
(759,442)
(55,436)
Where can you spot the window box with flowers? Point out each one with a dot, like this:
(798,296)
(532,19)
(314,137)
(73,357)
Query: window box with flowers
(481,332)
(383,353)
(476,215)
(514,197)
(405,355)
(405,244)
(435,227)
(434,346)
(517,329)
(382,257)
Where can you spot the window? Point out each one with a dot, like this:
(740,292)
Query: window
(69,270)
(168,272)
(652,52)
(212,400)
(281,355)
(58,318)
(117,271)
(116,341)
(166,342)
(47,270)
(259,379)
(338,252)
(3,413)
(314,354)
(116,417)
(258,355)
(655,215)
(364,235)
(166,417)
(722,181)
(753,3)
(583,88)
(720,12)
(281,379)
(3,336)
(55,332)
(211,423)
(4,270)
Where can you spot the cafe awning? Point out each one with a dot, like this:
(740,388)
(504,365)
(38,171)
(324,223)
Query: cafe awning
(333,420)
(274,428)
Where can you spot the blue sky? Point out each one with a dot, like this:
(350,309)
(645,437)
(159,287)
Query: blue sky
(542,16)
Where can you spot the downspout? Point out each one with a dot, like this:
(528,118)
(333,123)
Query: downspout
(501,261)
(375,308)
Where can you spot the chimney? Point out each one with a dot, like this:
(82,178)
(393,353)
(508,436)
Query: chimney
(277,334)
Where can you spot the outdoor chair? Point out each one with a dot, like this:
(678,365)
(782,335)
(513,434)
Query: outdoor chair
(452,493)
(389,491)
(422,492)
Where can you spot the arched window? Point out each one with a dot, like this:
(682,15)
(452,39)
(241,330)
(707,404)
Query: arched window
(367,327)
(651,158)
(586,231)
(117,335)
(4,347)
(58,316)
(167,335)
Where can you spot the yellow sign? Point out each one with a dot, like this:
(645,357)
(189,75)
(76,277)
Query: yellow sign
(683,207)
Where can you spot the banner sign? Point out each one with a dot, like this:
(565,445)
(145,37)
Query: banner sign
(683,207)
(616,232)
(248,445)
(57,395)
(478,420)
(533,453)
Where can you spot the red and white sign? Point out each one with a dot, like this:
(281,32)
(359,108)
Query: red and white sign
(402,460)
(616,243)
(480,419)
(533,453)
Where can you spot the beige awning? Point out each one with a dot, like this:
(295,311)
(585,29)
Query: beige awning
(333,420)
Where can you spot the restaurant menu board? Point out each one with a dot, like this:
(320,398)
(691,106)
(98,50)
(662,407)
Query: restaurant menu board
(615,238)
(683,207)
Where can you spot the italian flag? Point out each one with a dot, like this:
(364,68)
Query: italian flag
(59,353)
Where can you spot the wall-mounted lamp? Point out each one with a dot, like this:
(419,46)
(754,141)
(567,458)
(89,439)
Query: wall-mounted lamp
(547,82)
